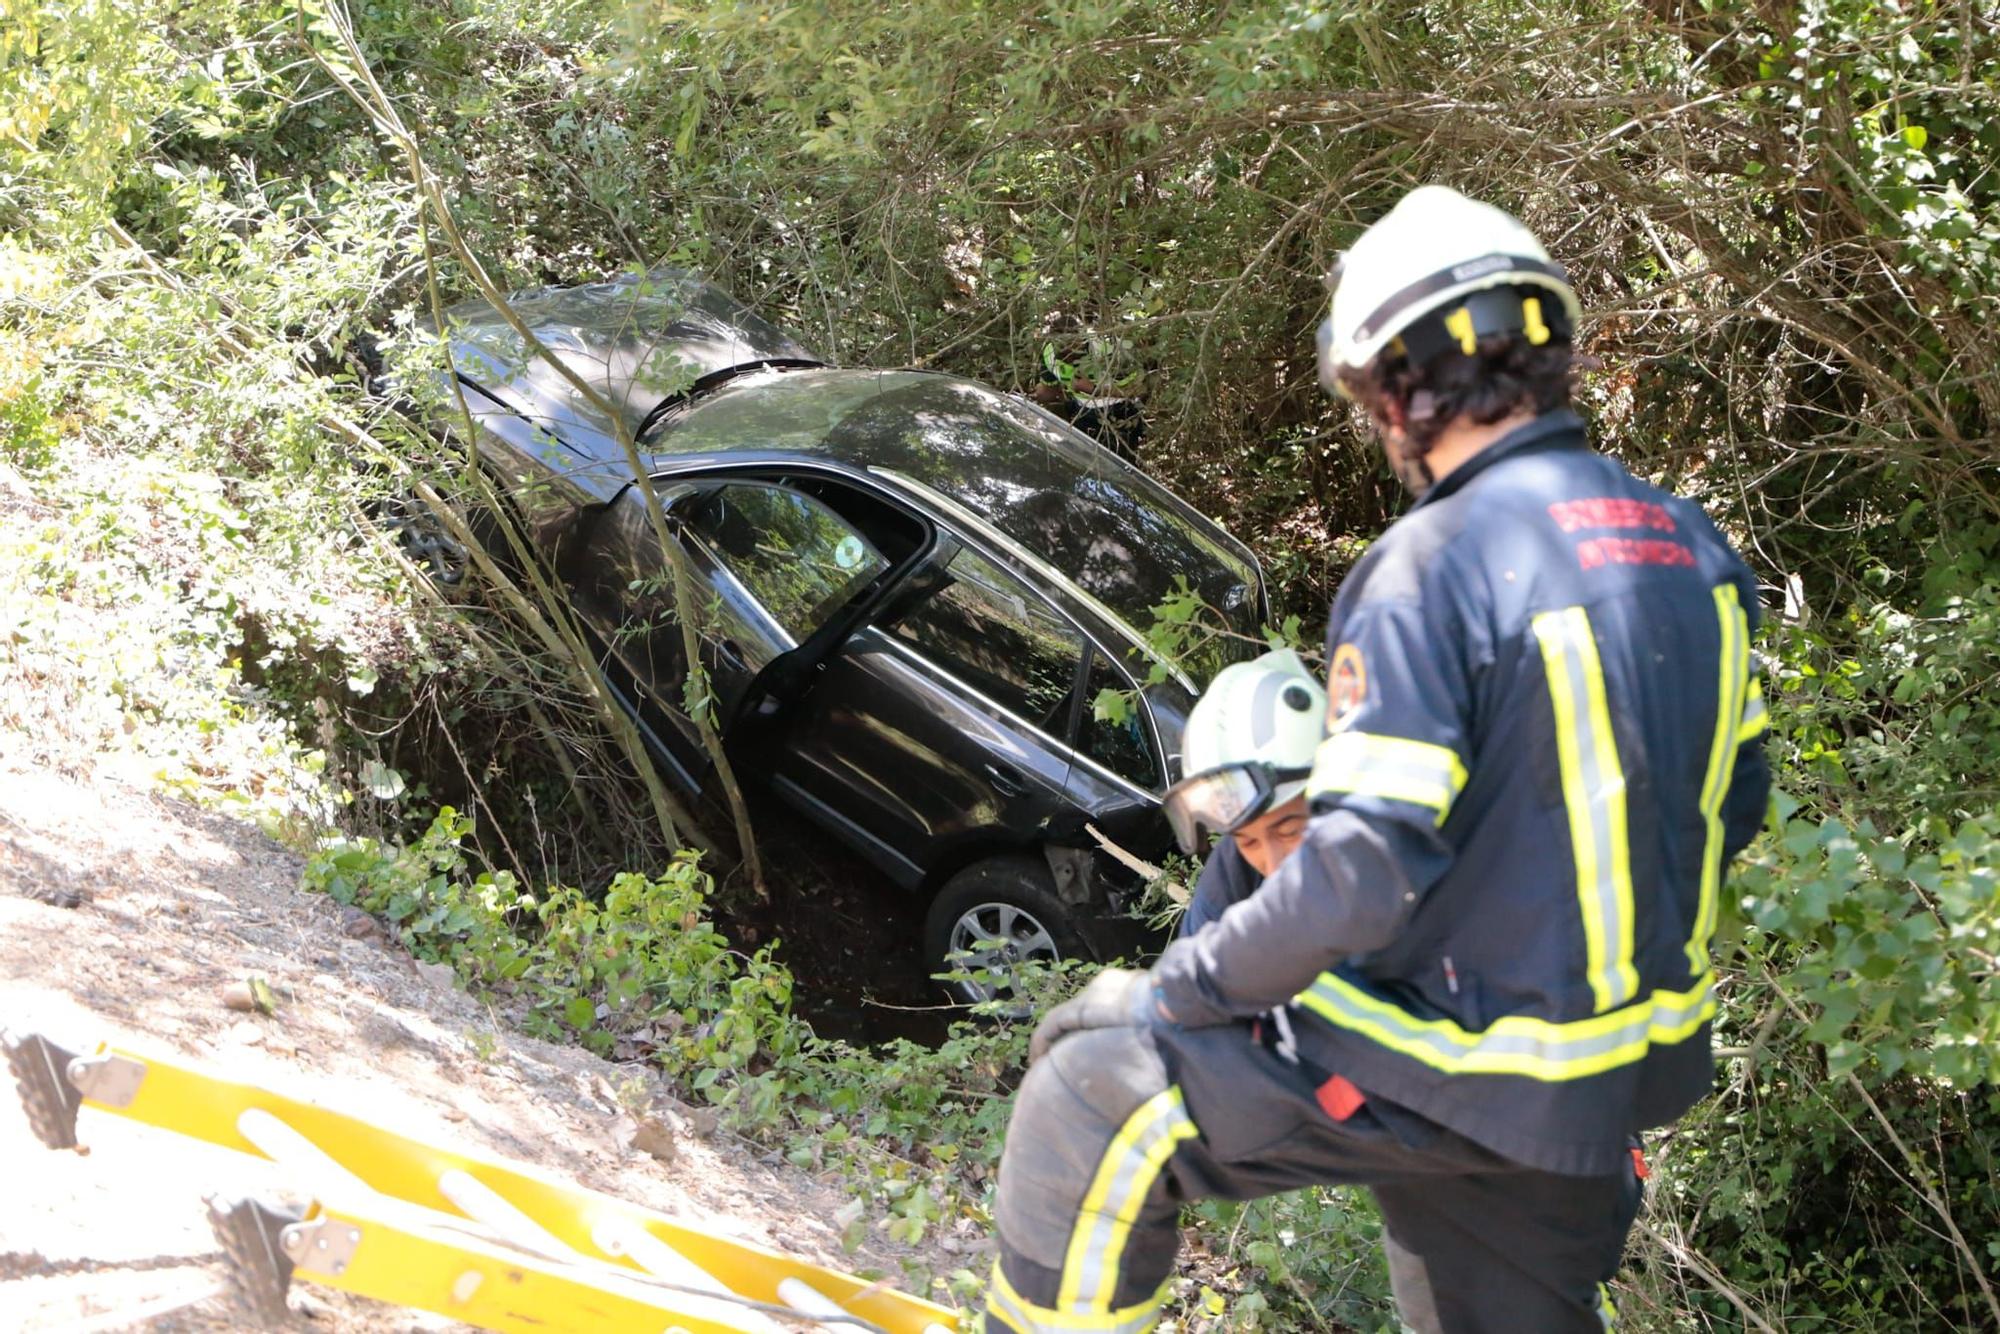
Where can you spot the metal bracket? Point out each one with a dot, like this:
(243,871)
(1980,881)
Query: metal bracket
(41,1073)
(322,1246)
(1073,872)
(107,1078)
(252,1237)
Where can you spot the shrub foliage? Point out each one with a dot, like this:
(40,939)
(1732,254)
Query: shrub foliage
(1782,220)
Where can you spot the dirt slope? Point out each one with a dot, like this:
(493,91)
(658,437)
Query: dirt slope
(124,915)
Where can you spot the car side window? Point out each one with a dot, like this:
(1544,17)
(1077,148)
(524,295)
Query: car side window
(991,631)
(1125,747)
(796,556)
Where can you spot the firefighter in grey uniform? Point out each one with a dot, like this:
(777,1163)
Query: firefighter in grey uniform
(1491,946)
(1256,718)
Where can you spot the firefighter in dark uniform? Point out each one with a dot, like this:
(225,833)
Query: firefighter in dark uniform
(1490,950)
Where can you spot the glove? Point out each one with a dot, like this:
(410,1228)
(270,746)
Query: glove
(1115,998)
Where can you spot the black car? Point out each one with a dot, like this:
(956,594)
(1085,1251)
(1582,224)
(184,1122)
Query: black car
(917,586)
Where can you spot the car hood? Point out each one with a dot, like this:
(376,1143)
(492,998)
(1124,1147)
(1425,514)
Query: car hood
(637,341)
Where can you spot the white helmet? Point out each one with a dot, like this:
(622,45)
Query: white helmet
(1434,253)
(1248,746)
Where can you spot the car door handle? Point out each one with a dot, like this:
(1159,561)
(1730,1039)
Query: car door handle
(1006,781)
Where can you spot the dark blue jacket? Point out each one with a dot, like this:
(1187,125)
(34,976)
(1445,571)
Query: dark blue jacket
(1225,879)
(1542,756)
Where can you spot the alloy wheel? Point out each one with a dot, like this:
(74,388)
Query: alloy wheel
(993,938)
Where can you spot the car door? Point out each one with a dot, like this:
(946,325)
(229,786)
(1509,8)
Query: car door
(781,566)
(770,567)
(943,722)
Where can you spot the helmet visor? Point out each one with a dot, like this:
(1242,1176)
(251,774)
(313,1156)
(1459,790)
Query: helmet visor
(1223,800)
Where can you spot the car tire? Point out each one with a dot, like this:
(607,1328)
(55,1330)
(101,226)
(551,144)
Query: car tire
(1010,897)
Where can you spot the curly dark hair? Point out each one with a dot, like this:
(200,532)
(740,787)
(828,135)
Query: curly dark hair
(1506,375)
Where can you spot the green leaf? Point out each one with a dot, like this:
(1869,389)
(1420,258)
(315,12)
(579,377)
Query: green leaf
(384,783)
(579,1012)
(1916,136)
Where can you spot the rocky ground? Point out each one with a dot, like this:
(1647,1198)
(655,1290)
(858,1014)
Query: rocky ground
(130,917)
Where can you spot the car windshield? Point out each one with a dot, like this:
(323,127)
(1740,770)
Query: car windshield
(1114,531)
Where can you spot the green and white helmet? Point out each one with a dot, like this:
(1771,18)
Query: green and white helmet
(1437,253)
(1248,746)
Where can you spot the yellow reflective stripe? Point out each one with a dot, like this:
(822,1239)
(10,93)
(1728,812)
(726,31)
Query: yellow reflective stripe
(1607,1310)
(1027,1318)
(1126,1173)
(1755,717)
(1594,797)
(1369,765)
(1731,685)
(1517,1044)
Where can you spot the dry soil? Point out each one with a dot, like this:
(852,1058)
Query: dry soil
(126,916)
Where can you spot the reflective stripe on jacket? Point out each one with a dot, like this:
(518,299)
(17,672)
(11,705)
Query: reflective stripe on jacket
(1545,753)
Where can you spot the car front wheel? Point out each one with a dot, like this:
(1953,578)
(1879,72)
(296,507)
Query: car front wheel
(993,916)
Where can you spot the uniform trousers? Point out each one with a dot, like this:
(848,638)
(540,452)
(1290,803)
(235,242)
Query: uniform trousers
(1115,1129)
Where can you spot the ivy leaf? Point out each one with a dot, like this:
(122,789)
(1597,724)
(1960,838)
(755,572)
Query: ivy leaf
(384,783)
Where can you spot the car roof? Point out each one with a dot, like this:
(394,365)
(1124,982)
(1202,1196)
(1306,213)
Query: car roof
(995,461)
(639,341)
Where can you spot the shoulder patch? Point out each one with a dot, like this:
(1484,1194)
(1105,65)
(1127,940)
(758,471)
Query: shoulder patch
(1346,685)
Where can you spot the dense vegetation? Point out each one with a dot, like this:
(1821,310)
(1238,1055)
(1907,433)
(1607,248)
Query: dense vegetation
(1783,220)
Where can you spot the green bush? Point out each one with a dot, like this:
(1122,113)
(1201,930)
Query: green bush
(641,955)
(1845,1174)
(1781,220)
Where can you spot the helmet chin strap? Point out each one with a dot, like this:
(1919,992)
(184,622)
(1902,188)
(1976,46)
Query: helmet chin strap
(1415,477)
(1412,470)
